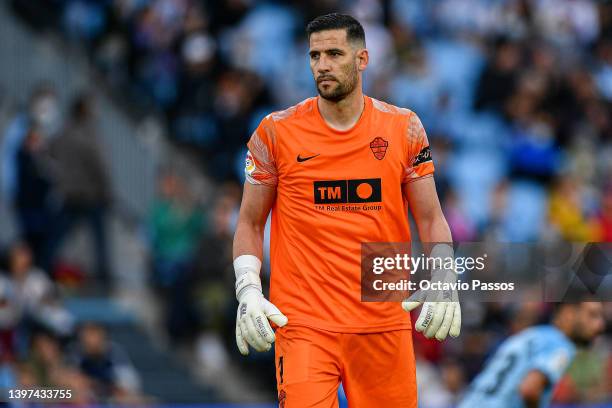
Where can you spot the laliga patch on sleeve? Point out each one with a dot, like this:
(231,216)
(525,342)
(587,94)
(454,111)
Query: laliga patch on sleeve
(249,164)
(559,362)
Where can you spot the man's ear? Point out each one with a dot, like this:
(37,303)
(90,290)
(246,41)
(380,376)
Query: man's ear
(363,57)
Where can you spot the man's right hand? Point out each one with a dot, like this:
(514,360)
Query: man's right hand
(252,326)
(254,310)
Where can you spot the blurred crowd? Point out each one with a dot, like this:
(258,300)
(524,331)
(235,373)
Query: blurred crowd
(516,97)
(515,94)
(54,177)
(42,344)
(54,180)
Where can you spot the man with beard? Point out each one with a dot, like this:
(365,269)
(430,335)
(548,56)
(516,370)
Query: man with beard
(527,366)
(336,171)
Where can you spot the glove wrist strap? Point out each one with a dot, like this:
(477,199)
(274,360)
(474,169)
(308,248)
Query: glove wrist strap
(247,283)
(247,269)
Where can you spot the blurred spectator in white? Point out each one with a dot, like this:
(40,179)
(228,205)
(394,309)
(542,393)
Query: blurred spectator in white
(37,295)
(43,113)
(84,186)
(567,23)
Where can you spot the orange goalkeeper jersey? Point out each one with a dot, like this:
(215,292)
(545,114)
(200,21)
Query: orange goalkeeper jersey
(335,190)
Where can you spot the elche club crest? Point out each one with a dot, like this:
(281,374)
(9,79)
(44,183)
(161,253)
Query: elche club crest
(379,147)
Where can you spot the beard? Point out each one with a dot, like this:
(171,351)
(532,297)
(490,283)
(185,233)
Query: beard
(342,89)
(582,342)
(580,339)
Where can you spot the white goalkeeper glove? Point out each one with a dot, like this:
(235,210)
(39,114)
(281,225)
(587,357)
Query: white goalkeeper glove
(437,319)
(252,326)
(441,312)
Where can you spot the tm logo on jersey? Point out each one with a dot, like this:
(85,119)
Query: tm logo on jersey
(348,191)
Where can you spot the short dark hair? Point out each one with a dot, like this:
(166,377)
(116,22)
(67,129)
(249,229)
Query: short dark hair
(336,21)
(557,307)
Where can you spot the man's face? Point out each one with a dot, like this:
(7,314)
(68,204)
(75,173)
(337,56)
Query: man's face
(335,64)
(588,323)
(93,340)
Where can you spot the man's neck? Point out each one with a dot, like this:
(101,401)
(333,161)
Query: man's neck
(344,114)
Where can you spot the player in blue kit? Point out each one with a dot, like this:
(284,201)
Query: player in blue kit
(524,370)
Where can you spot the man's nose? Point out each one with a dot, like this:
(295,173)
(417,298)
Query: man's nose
(323,65)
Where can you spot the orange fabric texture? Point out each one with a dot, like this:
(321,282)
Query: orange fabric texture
(335,190)
(376,369)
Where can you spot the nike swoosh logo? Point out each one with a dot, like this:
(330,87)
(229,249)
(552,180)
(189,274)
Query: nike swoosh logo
(303,159)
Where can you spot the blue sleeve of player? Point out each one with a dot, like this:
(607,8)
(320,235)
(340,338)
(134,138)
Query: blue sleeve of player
(554,360)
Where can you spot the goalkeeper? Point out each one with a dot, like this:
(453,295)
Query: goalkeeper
(336,170)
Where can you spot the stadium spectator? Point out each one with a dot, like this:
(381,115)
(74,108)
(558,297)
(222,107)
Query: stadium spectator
(44,358)
(498,80)
(215,277)
(176,226)
(37,295)
(215,246)
(567,212)
(44,115)
(33,196)
(105,363)
(83,183)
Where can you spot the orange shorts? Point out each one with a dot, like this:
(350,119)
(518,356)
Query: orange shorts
(376,369)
